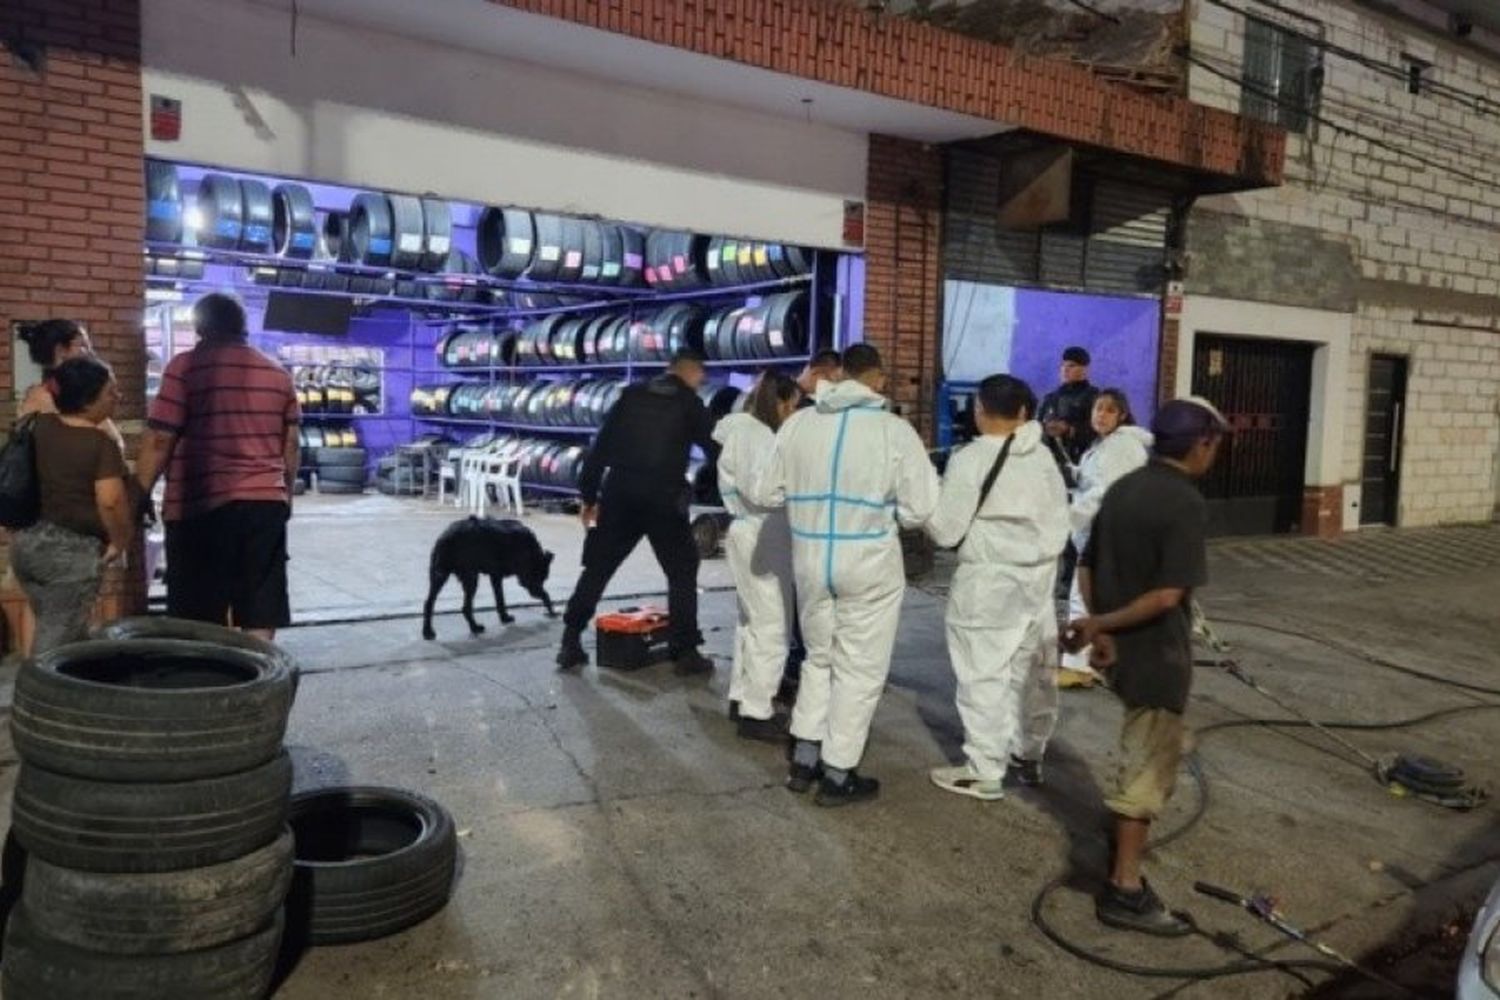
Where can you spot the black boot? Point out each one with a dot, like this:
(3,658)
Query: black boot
(772,730)
(854,788)
(690,663)
(571,654)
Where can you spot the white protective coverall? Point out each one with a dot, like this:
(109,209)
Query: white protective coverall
(1002,623)
(848,471)
(1124,450)
(759,551)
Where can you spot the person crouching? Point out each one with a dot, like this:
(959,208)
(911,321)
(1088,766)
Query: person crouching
(1004,504)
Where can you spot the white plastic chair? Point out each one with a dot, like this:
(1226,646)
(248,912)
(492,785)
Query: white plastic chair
(502,470)
(450,471)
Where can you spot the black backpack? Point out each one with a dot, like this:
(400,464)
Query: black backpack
(20,493)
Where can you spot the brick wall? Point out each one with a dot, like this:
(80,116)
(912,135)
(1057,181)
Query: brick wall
(846,46)
(1421,242)
(903,219)
(72,203)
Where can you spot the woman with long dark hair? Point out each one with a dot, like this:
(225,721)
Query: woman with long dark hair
(50,343)
(759,551)
(85,520)
(1119,447)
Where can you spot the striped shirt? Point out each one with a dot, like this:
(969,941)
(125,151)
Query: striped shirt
(229,406)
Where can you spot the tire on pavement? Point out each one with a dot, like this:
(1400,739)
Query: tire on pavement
(150,710)
(38,967)
(370,862)
(105,826)
(163,913)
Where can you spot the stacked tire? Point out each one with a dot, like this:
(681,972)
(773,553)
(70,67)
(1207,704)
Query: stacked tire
(341,470)
(152,805)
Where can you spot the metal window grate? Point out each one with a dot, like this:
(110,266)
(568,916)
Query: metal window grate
(1282,75)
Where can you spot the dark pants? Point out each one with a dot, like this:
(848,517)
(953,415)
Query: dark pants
(623,519)
(230,563)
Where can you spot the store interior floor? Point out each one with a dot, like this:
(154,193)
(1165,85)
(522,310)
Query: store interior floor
(366,556)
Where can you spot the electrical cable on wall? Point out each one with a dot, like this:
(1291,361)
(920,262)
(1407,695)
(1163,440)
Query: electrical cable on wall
(1375,141)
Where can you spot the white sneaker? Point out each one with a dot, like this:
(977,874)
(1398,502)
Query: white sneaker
(963,781)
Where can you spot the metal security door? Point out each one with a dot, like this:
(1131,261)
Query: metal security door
(1385,406)
(1263,387)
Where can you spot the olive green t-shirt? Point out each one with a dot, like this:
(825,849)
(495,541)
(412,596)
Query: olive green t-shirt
(69,461)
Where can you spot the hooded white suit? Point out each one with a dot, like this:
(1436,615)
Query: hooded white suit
(1002,624)
(1123,450)
(759,551)
(847,471)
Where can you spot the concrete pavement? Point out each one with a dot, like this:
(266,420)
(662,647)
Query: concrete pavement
(618,840)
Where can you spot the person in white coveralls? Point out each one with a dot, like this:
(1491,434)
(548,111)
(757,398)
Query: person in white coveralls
(758,548)
(1005,505)
(1120,447)
(850,473)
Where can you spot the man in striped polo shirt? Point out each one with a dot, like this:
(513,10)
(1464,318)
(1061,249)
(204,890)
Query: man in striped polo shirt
(224,427)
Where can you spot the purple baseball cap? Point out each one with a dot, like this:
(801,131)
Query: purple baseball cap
(1188,417)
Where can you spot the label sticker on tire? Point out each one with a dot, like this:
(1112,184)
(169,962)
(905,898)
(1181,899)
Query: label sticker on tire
(574,258)
(550,254)
(410,243)
(519,246)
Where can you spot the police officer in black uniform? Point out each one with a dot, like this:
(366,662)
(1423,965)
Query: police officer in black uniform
(644,445)
(1066,412)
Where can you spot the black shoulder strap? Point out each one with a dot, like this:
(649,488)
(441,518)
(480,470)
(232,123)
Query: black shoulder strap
(989,484)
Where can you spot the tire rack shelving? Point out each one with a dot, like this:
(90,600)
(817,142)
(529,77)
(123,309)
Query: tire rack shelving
(437,313)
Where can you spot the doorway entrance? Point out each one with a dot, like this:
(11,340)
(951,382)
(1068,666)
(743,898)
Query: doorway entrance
(1264,389)
(1385,408)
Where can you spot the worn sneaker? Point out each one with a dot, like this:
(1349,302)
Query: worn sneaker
(1141,910)
(854,788)
(800,777)
(1025,772)
(691,664)
(963,781)
(571,654)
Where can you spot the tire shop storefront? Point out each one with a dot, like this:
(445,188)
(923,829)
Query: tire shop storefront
(436,265)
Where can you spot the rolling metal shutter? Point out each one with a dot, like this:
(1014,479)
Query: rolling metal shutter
(1121,250)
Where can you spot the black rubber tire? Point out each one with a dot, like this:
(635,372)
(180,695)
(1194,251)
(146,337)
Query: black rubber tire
(437,234)
(343,475)
(706,535)
(106,826)
(611,253)
(547,255)
(729,266)
(294,222)
(799,260)
(407,232)
(164,913)
(150,710)
(633,259)
(255,227)
(658,272)
(38,967)
(573,252)
(372,230)
(352,457)
(330,487)
(506,241)
(163,203)
(222,211)
(336,243)
(593,252)
(370,862)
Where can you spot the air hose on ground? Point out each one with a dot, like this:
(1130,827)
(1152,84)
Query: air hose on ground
(1422,778)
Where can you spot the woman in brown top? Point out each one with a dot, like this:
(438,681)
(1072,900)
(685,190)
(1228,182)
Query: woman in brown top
(85,518)
(50,343)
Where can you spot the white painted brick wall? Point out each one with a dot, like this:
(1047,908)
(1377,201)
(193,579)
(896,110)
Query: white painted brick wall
(1406,223)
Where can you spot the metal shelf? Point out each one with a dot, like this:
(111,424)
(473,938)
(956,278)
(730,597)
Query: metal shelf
(594,297)
(483,372)
(507,425)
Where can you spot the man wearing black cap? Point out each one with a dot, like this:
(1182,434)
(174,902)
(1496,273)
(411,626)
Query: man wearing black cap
(1065,411)
(1145,556)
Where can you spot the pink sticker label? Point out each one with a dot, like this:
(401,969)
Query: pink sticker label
(664,273)
(574,259)
(679,263)
(650,276)
(633,260)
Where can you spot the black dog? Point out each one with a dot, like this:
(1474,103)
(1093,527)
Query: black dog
(496,549)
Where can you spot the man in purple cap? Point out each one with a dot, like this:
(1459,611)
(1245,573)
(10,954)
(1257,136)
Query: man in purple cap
(1145,556)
